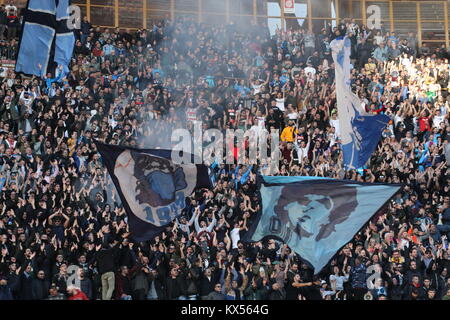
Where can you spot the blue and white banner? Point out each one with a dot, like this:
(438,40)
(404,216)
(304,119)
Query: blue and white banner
(316,216)
(360,131)
(46,42)
(152,188)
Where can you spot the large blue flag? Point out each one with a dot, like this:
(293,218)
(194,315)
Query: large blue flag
(360,131)
(316,216)
(153,188)
(46,41)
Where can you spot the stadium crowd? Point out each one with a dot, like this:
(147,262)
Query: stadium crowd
(59,208)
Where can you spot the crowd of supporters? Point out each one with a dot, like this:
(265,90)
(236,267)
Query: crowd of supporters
(59,208)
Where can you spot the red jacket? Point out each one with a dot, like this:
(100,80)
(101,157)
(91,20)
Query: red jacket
(79,295)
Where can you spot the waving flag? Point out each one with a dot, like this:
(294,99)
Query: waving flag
(316,216)
(152,188)
(360,131)
(46,40)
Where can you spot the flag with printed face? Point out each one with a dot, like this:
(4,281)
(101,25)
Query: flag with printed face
(360,131)
(152,188)
(47,42)
(315,216)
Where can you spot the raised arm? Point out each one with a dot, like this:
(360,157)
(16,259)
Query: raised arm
(197,225)
(212,224)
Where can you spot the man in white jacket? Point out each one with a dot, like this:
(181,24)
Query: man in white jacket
(302,148)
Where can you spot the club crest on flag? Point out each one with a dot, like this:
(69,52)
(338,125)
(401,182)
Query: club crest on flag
(154,187)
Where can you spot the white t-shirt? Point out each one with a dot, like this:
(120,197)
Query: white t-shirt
(378,39)
(437,120)
(280,104)
(310,70)
(235,237)
(259,126)
(339,281)
(261,122)
(256,88)
(112,122)
(302,152)
(335,124)
(332,138)
(406,62)
(293,116)
(397,119)
(27,101)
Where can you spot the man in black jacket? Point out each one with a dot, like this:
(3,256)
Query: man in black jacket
(364,51)
(275,117)
(85,284)
(126,254)
(40,286)
(413,290)
(216,294)
(26,284)
(413,272)
(141,278)
(106,267)
(155,287)
(61,278)
(14,280)
(123,284)
(277,292)
(175,285)
(13,25)
(3,22)
(86,28)
(207,283)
